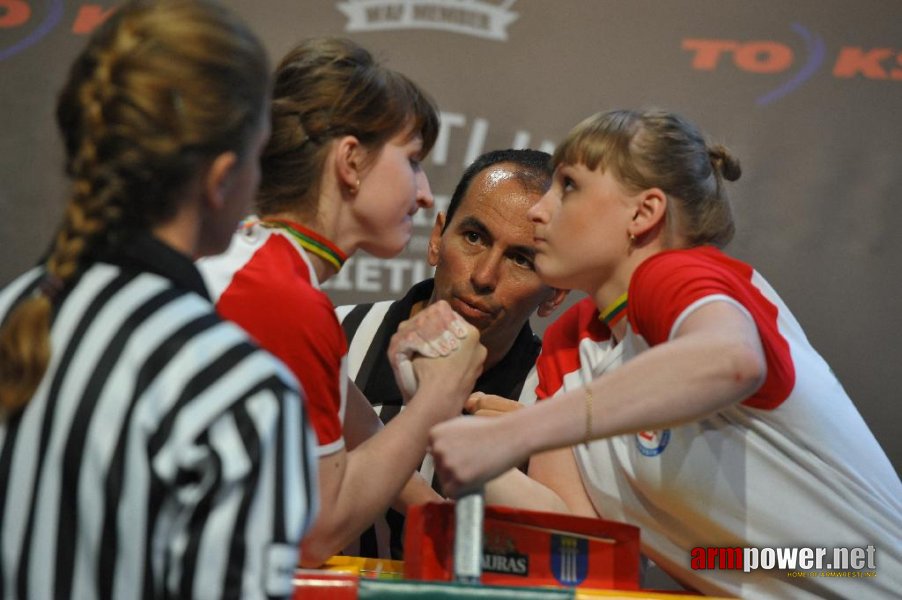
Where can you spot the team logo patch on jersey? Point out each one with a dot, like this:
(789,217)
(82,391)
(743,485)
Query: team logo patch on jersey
(569,558)
(652,443)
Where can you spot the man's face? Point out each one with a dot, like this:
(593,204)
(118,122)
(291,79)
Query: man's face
(484,259)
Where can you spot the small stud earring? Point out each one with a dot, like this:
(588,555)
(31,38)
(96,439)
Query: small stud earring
(632,239)
(354,188)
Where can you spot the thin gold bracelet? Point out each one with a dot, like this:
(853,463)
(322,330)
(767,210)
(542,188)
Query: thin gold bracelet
(588,414)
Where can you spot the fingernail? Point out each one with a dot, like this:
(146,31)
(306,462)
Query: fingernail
(457,326)
(429,351)
(451,340)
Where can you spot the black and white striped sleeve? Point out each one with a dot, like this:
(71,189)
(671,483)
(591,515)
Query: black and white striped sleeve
(245,490)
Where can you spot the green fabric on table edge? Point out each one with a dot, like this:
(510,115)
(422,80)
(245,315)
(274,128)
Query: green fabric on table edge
(376,589)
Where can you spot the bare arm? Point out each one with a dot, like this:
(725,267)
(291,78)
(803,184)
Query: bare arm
(715,360)
(489,405)
(359,484)
(362,423)
(553,484)
(416,491)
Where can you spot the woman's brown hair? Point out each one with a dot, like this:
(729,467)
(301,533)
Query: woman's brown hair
(323,89)
(161,88)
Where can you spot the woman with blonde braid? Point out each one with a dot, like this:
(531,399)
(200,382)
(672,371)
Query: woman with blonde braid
(148,448)
(683,396)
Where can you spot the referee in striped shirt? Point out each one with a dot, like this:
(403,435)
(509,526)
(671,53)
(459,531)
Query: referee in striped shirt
(147,448)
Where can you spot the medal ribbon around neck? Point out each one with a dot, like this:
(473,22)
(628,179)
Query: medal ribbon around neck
(310,241)
(614,312)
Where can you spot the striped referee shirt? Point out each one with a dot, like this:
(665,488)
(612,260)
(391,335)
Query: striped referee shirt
(162,455)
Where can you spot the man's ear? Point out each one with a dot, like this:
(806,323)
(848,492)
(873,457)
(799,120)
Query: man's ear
(349,159)
(651,211)
(549,306)
(435,239)
(218,180)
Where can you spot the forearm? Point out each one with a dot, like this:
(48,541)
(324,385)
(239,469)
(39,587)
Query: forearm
(416,491)
(678,382)
(369,480)
(515,489)
(381,466)
(361,421)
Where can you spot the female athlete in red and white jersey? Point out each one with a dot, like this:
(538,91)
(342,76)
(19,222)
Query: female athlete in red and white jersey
(694,404)
(341,172)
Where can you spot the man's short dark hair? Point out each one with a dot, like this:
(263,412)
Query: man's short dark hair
(534,173)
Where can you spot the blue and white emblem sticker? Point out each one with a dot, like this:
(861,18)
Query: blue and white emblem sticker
(652,443)
(569,558)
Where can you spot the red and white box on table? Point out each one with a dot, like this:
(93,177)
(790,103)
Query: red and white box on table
(526,548)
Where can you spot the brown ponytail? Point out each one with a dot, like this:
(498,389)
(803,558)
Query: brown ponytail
(724,163)
(24,352)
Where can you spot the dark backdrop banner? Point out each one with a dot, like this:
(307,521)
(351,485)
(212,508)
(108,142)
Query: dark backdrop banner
(806,93)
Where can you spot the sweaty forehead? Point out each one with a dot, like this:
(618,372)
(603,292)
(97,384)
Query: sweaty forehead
(497,174)
(500,178)
(497,194)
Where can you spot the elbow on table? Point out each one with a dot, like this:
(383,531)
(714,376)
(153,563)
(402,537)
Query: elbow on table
(328,536)
(315,552)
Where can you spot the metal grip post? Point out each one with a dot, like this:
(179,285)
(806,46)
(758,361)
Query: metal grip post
(469,513)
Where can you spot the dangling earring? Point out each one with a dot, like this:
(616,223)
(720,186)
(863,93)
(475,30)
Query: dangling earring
(632,239)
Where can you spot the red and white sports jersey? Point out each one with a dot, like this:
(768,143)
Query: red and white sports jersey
(266,283)
(793,465)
